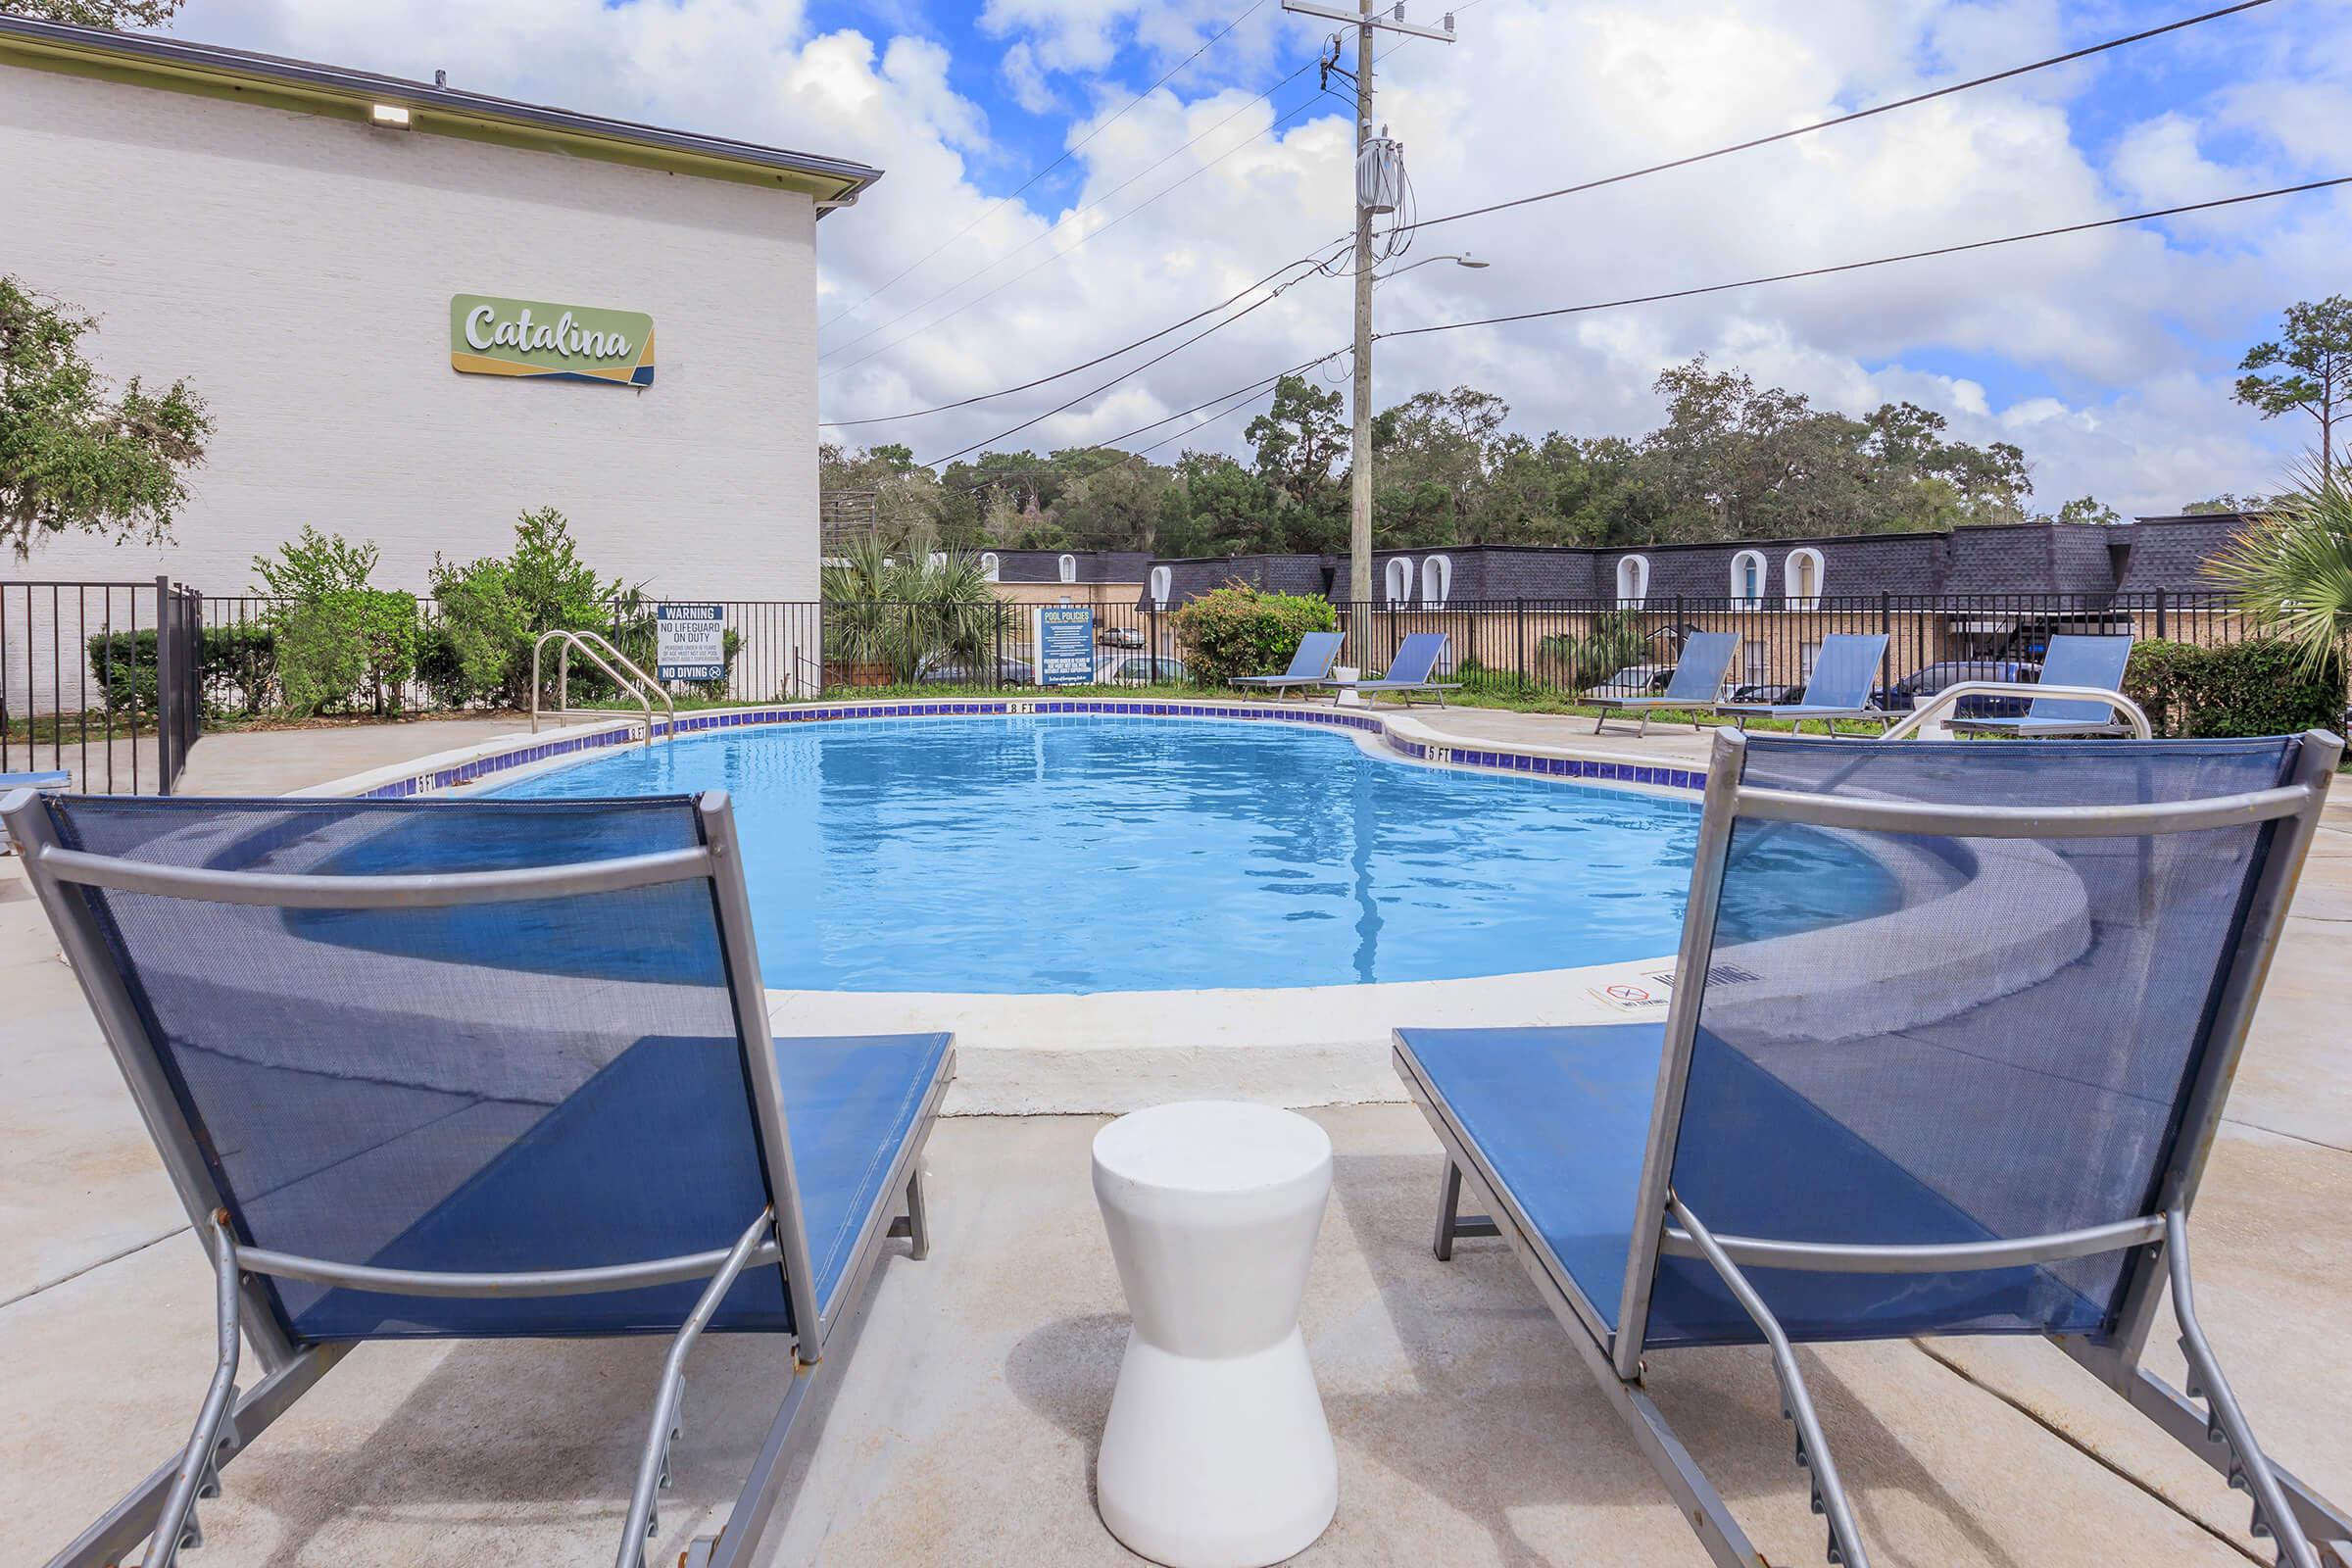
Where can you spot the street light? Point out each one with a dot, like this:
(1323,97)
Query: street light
(1463,260)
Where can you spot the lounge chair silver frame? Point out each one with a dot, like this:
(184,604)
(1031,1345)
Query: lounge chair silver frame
(1613,706)
(1306,684)
(2284,1505)
(2032,729)
(1798,714)
(1404,689)
(162,1506)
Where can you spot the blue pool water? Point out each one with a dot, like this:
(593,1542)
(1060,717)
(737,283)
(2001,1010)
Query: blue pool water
(1069,854)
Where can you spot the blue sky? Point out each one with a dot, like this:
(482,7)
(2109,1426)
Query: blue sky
(2107,357)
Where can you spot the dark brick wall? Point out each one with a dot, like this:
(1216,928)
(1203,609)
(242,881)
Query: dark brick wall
(2008,559)
(1093,566)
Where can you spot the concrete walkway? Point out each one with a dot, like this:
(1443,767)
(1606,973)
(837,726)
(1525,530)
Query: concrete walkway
(964,1428)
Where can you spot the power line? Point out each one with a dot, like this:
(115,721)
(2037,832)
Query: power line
(1878,261)
(1317,261)
(1841,120)
(1047,233)
(1067,154)
(1751,282)
(1214,326)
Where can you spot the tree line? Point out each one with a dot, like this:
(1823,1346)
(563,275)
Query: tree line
(1733,459)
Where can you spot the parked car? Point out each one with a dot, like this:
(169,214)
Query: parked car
(1634,680)
(1769,693)
(1138,669)
(1120,636)
(1907,693)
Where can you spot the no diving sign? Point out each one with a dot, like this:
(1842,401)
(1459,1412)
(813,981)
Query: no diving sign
(1650,992)
(690,642)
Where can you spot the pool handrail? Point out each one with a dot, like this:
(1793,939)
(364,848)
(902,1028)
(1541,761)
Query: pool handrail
(637,683)
(1925,712)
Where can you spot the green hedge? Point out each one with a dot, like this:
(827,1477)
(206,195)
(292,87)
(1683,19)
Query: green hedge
(2258,687)
(1238,630)
(236,663)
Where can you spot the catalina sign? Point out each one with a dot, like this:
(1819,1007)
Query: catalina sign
(490,337)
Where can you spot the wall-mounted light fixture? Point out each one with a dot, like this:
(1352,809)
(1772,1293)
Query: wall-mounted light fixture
(392,117)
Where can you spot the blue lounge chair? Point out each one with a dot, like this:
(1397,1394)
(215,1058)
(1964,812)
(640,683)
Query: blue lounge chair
(2094,664)
(1843,673)
(1698,676)
(1409,673)
(1985,1112)
(1310,665)
(475,1069)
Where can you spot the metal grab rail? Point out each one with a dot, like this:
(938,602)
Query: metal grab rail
(1949,698)
(637,683)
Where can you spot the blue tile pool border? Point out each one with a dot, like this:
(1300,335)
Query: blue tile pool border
(1488,758)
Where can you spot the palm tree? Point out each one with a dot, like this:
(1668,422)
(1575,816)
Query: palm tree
(907,606)
(2291,571)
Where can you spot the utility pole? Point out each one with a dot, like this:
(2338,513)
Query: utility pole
(1359,468)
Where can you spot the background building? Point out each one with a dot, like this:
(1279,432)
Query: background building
(266,229)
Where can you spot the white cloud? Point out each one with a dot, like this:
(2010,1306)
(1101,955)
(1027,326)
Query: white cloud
(1025,79)
(2118,343)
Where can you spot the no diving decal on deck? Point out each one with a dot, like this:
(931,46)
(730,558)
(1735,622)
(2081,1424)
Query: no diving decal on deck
(1653,990)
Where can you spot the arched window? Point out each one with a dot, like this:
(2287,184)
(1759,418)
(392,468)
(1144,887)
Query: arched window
(1161,580)
(1436,579)
(1070,569)
(1632,580)
(1802,573)
(1749,576)
(989,565)
(1399,579)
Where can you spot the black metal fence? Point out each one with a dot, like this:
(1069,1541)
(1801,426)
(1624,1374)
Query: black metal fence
(100,680)
(1571,646)
(111,681)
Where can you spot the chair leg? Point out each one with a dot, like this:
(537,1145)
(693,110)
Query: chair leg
(668,1423)
(1796,1401)
(1452,1224)
(199,1473)
(919,1219)
(2230,1440)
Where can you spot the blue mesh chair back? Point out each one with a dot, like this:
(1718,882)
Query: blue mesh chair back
(513,1087)
(1416,658)
(2073,659)
(1844,670)
(1698,673)
(1316,653)
(2005,1054)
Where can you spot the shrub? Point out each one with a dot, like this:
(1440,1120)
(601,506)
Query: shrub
(236,663)
(2263,686)
(907,607)
(1239,630)
(345,649)
(492,610)
(337,642)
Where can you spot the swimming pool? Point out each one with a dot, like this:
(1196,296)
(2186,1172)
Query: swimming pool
(1084,854)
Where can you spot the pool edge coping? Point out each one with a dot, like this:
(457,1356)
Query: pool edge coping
(1397,732)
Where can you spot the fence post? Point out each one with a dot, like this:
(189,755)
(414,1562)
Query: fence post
(1519,658)
(167,676)
(2161,628)
(1155,635)
(1886,647)
(996,670)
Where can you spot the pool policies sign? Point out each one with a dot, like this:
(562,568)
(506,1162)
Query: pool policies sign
(1065,645)
(492,336)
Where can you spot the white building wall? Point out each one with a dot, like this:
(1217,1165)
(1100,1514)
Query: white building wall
(298,271)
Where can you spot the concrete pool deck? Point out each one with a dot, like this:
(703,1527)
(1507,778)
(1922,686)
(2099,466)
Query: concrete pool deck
(962,1428)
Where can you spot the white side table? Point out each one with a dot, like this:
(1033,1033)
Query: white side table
(1216,1453)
